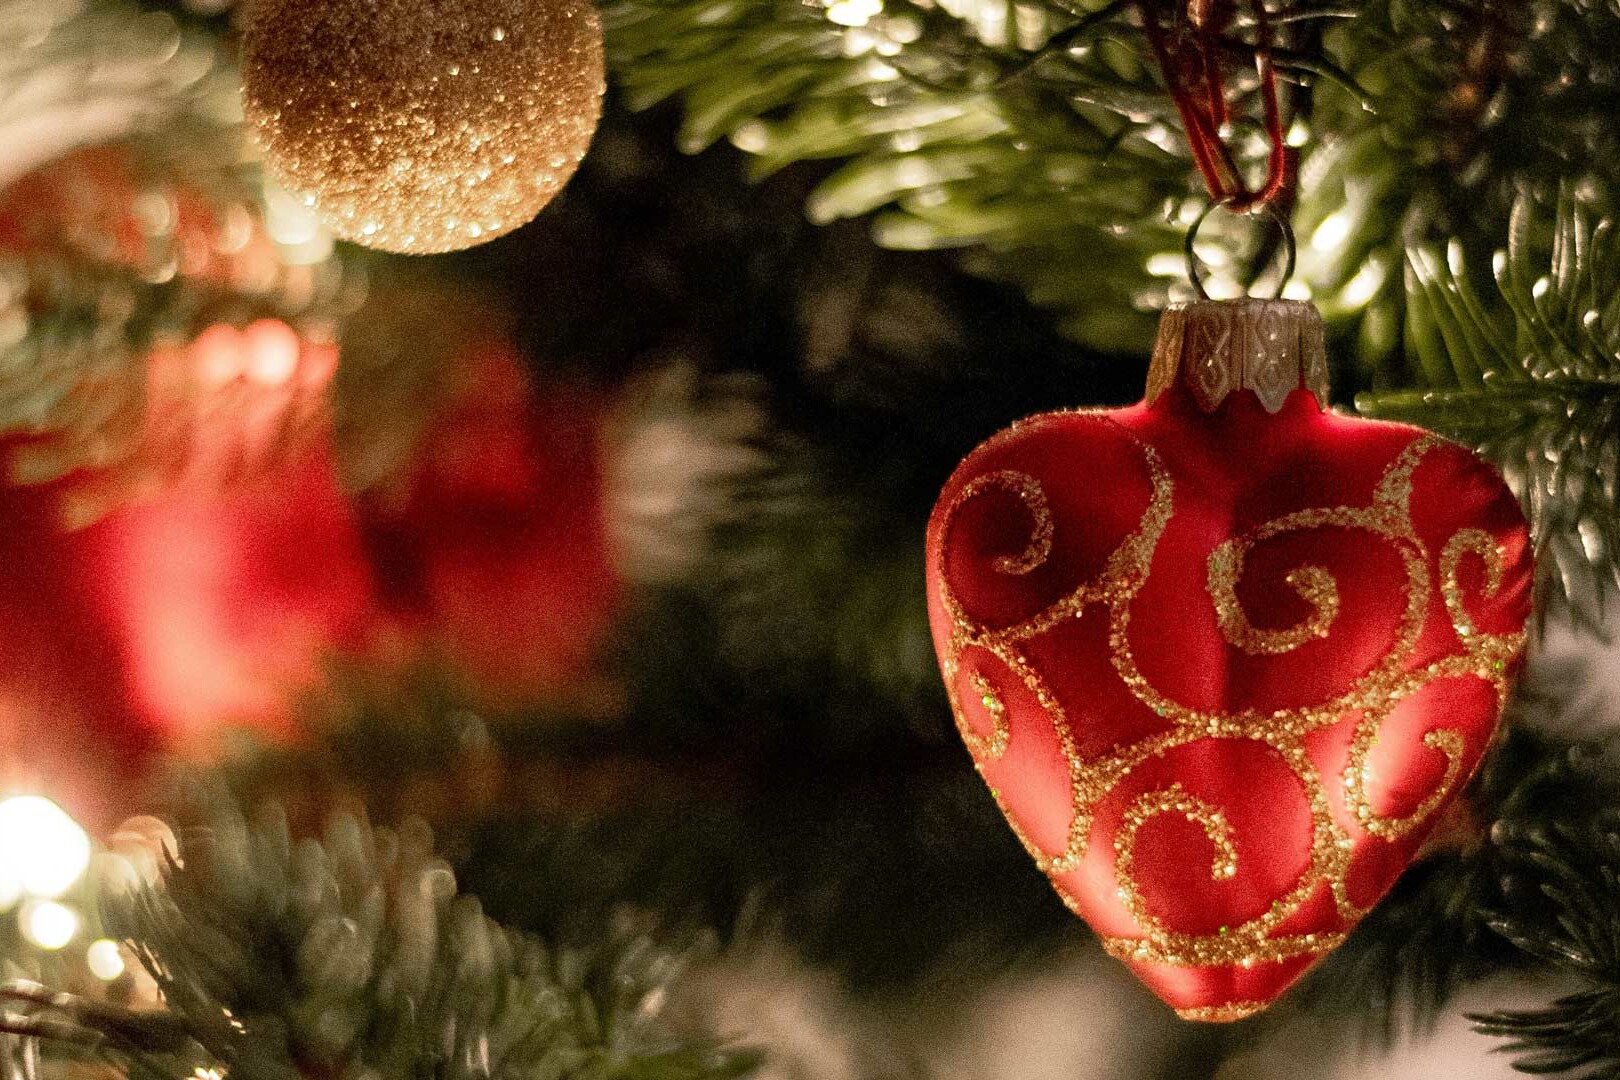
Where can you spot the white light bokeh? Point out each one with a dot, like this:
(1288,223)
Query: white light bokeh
(1331,234)
(43,852)
(271,349)
(854,13)
(47,924)
(1365,285)
(295,227)
(105,959)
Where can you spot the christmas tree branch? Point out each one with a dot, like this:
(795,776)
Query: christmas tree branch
(1478,105)
(1534,382)
(1031,134)
(1574,868)
(351,956)
(1041,139)
(129,224)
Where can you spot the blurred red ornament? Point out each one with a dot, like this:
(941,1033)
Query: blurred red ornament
(226,571)
(151,405)
(491,545)
(228,602)
(1224,658)
(246,568)
(217,598)
(68,725)
(189,558)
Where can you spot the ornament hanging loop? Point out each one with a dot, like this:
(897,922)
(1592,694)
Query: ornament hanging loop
(1189,46)
(1238,207)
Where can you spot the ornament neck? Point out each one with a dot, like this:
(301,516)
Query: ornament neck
(1215,347)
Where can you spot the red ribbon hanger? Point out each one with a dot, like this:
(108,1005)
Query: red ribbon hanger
(1189,44)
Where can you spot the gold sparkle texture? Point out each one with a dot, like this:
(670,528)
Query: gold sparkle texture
(423,126)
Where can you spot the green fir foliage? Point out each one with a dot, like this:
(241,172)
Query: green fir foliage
(1468,107)
(1574,868)
(354,956)
(1027,131)
(1532,379)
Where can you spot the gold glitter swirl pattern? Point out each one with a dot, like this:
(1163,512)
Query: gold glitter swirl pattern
(1123,574)
(1314,585)
(1478,542)
(1448,742)
(1496,651)
(1388,519)
(996,745)
(1282,732)
(1173,799)
(1033,496)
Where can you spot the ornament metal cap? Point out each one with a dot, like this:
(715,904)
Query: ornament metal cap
(1214,347)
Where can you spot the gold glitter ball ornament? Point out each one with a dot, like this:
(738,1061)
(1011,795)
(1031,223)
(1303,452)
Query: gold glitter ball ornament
(422,126)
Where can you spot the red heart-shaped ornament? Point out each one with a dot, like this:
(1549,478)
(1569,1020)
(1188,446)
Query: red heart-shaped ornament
(1222,657)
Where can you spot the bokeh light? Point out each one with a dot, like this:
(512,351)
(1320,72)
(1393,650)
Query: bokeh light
(43,852)
(136,854)
(272,351)
(48,924)
(218,355)
(105,959)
